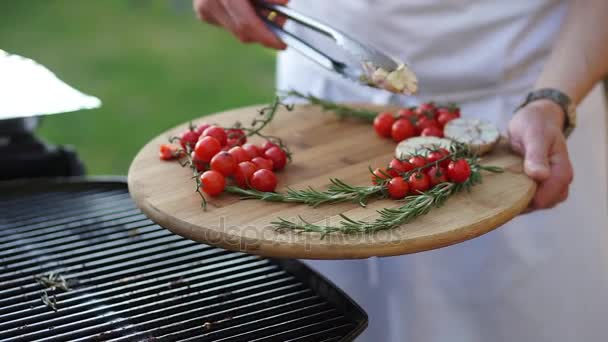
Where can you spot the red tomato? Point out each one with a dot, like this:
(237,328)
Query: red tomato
(402,129)
(437,155)
(397,188)
(169,152)
(278,157)
(406,113)
(450,109)
(268,145)
(383,124)
(218,133)
(200,166)
(424,122)
(445,117)
(263,180)
(432,132)
(213,183)
(459,171)
(239,154)
(201,128)
(380,174)
(236,137)
(263,163)
(206,148)
(397,167)
(417,162)
(223,163)
(427,110)
(188,138)
(437,175)
(419,182)
(243,172)
(253,150)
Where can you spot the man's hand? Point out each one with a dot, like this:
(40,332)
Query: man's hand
(536,133)
(240,18)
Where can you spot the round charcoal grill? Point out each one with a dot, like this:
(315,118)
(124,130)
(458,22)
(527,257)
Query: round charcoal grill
(78,261)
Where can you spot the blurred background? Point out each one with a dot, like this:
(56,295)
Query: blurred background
(151,62)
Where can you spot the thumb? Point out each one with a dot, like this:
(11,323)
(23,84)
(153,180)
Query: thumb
(536,157)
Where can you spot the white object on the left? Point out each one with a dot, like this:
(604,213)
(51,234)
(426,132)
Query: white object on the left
(29,89)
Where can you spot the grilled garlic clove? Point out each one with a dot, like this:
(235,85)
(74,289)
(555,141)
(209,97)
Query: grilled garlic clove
(480,136)
(401,80)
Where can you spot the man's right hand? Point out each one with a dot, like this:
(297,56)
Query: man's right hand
(240,18)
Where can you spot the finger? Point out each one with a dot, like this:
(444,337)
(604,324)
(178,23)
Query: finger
(536,151)
(248,26)
(555,189)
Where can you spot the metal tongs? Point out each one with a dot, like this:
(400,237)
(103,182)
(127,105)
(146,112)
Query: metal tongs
(364,53)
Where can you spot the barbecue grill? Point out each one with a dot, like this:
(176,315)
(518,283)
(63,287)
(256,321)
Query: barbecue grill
(78,261)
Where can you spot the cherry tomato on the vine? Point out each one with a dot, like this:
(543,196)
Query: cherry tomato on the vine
(383,124)
(268,145)
(424,123)
(253,150)
(223,163)
(398,188)
(188,139)
(402,129)
(213,183)
(379,175)
(200,166)
(218,133)
(263,163)
(437,175)
(432,132)
(278,157)
(419,182)
(417,162)
(459,171)
(445,117)
(239,154)
(243,172)
(201,128)
(263,180)
(397,167)
(434,156)
(236,137)
(168,152)
(406,113)
(206,148)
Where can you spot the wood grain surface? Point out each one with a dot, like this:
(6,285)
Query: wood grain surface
(324,147)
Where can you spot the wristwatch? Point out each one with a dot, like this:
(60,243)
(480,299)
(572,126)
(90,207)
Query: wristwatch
(561,100)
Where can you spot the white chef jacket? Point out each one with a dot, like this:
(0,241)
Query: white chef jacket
(541,277)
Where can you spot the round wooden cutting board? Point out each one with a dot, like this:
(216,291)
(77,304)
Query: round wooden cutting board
(324,147)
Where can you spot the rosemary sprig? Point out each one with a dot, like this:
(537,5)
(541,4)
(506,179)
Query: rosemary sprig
(339,109)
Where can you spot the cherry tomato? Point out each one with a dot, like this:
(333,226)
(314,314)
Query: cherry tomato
(434,156)
(406,113)
(397,167)
(459,171)
(263,180)
(236,137)
(398,188)
(239,154)
(201,128)
(445,117)
(200,166)
(419,182)
(253,150)
(427,110)
(417,161)
(206,148)
(278,157)
(450,109)
(188,138)
(383,124)
(218,133)
(380,174)
(223,163)
(268,145)
(425,122)
(263,163)
(432,132)
(168,152)
(243,172)
(402,129)
(437,175)
(212,183)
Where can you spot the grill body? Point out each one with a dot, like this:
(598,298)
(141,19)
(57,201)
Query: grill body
(128,279)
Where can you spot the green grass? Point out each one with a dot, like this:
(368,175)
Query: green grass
(152,63)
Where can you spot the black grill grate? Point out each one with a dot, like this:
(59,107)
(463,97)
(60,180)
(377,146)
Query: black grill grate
(131,280)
